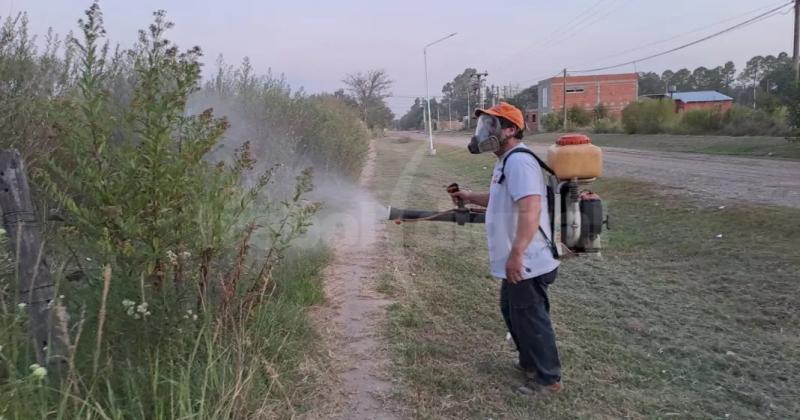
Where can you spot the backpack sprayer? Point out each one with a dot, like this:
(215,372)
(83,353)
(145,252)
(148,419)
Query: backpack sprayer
(575,212)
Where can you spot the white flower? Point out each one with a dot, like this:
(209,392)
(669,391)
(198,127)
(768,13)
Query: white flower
(22,305)
(137,316)
(38,372)
(194,317)
(128,303)
(142,308)
(2,231)
(186,254)
(172,257)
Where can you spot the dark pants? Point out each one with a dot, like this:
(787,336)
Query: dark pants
(526,310)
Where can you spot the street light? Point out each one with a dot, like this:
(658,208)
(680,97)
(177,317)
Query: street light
(431,150)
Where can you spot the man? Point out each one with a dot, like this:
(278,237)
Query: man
(519,251)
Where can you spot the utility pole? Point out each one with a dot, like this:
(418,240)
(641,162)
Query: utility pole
(424,119)
(796,40)
(565,99)
(449,114)
(469,116)
(438,127)
(481,92)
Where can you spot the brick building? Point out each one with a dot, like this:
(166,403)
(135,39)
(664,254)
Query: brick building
(613,91)
(705,99)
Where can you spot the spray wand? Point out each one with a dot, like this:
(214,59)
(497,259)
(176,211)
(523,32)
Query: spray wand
(461,214)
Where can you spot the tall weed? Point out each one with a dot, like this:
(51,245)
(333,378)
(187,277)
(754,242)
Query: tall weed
(204,312)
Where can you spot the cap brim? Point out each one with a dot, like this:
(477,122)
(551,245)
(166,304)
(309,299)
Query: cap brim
(480,111)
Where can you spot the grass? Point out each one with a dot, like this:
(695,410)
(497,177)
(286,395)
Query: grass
(671,322)
(271,366)
(764,147)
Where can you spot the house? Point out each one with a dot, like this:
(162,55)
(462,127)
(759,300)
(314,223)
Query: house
(613,91)
(704,99)
(532,119)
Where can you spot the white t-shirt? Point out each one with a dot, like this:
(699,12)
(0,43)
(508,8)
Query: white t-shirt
(523,178)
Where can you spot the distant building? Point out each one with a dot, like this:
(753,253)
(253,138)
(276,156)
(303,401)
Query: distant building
(704,99)
(532,120)
(613,91)
(451,125)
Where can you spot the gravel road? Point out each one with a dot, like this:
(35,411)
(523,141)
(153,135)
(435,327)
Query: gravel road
(710,178)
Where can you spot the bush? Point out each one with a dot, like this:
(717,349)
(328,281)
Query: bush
(606,125)
(743,121)
(287,128)
(578,117)
(700,121)
(600,112)
(204,309)
(648,117)
(553,121)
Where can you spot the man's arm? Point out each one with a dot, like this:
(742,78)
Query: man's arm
(527,224)
(470,197)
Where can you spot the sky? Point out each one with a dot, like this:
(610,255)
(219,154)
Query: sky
(316,43)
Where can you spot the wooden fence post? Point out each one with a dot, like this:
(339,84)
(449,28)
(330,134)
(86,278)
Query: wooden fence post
(36,288)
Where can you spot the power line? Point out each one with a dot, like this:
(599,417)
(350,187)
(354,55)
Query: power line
(577,29)
(544,40)
(747,22)
(537,78)
(700,29)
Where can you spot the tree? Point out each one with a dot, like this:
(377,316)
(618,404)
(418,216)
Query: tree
(728,73)
(650,84)
(346,99)
(682,80)
(528,98)
(412,120)
(461,93)
(369,91)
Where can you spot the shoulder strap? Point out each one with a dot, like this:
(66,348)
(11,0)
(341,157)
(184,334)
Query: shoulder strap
(522,150)
(550,243)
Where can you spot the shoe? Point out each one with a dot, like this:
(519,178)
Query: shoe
(534,388)
(529,374)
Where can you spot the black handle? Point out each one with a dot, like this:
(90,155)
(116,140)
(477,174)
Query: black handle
(453,188)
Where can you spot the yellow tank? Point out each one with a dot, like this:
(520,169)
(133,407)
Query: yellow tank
(574,156)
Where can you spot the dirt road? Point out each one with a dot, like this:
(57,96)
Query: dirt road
(354,311)
(712,179)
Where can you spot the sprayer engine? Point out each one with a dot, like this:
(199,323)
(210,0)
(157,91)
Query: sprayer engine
(573,163)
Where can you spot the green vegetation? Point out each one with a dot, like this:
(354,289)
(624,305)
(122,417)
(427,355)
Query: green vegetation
(657,116)
(648,117)
(673,321)
(187,216)
(764,147)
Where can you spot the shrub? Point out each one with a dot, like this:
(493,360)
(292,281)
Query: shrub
(578,117)
(287,128)
(648,117)
(606,125)
(743,121)
(600,112)
(194,250)
(700,121)
(553,121)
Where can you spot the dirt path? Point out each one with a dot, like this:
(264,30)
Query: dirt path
(710,178)
(355,311)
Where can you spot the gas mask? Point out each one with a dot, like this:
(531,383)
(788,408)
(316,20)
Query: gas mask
(488,135)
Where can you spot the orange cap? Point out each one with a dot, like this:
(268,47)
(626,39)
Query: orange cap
(507,111)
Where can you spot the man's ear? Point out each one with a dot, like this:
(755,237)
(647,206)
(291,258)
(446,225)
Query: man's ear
(509,132)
